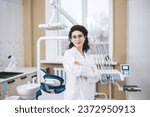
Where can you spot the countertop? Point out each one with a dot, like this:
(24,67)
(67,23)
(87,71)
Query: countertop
(25,70)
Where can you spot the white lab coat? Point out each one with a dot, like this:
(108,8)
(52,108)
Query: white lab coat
(81,79)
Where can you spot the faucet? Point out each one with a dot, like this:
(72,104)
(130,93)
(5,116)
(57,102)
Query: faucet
(12,63)
(34,80)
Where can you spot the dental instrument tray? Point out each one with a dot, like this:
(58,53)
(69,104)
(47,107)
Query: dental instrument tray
(4,75)
(131,88)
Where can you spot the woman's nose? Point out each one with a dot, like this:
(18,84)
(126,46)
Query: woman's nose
(77,38)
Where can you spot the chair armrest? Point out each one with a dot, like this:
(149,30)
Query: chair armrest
(50,76)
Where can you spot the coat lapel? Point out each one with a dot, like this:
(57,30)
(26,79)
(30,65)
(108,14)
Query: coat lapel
(78,56)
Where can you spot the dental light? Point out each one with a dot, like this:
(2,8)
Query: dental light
(58,25)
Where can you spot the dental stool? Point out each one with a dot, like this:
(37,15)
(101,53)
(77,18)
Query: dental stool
(52,84)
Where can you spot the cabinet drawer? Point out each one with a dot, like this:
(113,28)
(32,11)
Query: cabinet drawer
(12,84)
(23,80)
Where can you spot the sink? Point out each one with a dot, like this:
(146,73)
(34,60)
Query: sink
(4,75)
(28,91)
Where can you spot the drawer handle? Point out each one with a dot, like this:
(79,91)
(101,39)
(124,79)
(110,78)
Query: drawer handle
(33,76)
(23,77)
(11,81)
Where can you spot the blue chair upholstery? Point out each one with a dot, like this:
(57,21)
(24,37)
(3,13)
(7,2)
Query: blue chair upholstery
(50,88)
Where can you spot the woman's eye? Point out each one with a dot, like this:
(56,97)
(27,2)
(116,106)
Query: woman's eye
(77,36)
(74,37)
(80,36)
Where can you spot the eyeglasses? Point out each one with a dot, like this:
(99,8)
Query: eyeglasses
(77,36)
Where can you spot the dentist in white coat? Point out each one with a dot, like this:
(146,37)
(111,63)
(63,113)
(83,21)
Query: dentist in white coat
(80,69)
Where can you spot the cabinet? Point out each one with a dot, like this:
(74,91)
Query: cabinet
(13,83)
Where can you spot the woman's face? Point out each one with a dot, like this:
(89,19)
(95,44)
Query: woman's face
(77,38)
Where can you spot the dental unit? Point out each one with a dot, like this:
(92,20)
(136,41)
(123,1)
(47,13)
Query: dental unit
(107,74)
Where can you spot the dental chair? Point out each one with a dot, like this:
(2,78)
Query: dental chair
(52,84)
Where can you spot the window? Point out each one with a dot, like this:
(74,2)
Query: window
(96,15)
(98,19)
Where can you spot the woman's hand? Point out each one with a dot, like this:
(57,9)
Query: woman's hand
(76,63)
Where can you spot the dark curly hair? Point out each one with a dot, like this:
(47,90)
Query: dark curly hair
(82,29)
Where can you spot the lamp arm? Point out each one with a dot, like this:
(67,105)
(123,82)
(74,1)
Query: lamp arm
(63,12)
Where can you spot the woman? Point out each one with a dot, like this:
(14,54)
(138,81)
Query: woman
(79,67)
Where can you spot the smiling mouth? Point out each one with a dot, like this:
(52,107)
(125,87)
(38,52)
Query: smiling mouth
(78,42)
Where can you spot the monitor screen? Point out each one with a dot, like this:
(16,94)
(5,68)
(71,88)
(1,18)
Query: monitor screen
(125,67)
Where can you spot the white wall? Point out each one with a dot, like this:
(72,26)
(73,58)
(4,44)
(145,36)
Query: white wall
(11,31)
(138,46)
